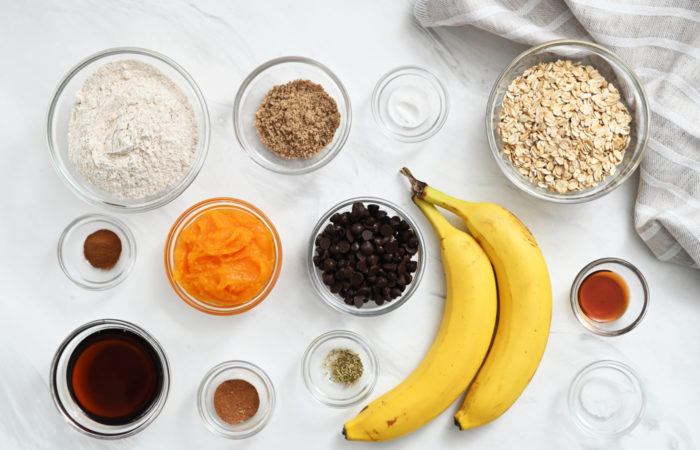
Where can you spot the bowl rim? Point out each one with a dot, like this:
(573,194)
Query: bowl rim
(344,131)
(625,370)
(209,377)
(586,195)
(426,74)
(337,302)
(101,324)
(174,234)
(130,242)
(314,346)
(576,285)
(202,144)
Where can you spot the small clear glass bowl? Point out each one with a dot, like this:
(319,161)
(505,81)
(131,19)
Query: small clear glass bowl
(370,308)
(235,370)
(59,115)
(610,66)
(409,104)
(318,380)
(187,218)
(638,297)
(72,259)
(69,408)
(251,94)
(606,399)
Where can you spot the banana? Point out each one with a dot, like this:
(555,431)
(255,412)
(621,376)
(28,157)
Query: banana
(524,301)
(461,344)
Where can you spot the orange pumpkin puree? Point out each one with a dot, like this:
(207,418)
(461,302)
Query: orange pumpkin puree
(225,257)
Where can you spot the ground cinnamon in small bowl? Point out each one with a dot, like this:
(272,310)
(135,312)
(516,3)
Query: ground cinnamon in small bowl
(102,249)
(236,401)
(297,119)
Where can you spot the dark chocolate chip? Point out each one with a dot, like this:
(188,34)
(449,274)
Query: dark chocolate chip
(356,278)
(372,260)
(344,246)
(386,230)
(367,248)
(328,278)
(329,265)
(325,243)
(367,235)
(357,228)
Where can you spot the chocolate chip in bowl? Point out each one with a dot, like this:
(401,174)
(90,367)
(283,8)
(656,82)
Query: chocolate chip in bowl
(365,256)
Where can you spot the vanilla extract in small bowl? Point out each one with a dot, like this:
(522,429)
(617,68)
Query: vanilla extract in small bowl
(609,297)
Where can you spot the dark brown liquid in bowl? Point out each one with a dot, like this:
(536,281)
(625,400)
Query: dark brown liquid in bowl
(115,376)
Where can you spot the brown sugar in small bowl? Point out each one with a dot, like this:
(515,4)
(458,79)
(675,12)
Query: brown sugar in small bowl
(186,219)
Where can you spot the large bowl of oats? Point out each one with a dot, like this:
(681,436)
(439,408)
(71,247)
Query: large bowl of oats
(567,121)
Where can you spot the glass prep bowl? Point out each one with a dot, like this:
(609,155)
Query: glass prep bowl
(606,399)
(59,114)
(251,94)
(235,370)
(370,308)
(638,297)
(614,70)
(188,217)
(72,259)
(317,379)
(409,104)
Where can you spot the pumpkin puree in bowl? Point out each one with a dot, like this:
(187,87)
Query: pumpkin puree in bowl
(225,257)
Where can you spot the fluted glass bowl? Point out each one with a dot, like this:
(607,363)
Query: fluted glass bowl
(59,115)
(610,66)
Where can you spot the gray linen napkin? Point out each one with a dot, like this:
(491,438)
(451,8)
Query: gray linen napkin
(660,40)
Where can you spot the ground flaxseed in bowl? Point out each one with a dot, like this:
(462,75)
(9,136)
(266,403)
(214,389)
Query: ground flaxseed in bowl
(297,119)
(564,126)
(567,121)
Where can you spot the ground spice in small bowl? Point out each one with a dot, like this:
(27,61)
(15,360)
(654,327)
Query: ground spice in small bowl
(102,249)
(343,366)
(236,401)
(297,119)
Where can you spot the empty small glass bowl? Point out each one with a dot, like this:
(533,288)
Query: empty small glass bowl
(409,104)
(59,115)
(370,308)
(187,218)
(317,376)
(251,94)
(606,399)
(71,256)
(636,306)
(64,399)
(614,70)
(235,370)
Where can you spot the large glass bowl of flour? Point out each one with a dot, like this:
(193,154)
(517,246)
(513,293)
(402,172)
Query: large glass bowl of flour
(136,154)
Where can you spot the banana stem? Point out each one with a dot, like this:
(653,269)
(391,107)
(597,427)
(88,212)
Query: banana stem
(417,186)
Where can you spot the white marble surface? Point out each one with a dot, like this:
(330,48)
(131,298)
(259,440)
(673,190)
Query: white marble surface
(219,43)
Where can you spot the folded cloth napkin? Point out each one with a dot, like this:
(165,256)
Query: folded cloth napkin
(660,40)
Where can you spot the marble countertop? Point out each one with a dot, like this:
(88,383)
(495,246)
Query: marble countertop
(219,43)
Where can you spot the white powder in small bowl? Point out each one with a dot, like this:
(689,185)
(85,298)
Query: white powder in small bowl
(132,131)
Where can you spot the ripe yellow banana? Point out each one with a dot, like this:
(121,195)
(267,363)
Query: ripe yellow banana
(459,349)
(524,299)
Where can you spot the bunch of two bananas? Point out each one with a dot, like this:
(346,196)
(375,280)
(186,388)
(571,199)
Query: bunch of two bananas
(490,340)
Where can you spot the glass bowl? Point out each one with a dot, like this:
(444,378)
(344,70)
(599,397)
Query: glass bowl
(606,399)
(235,370)
(72,259)
(251,94)
(319,382)
(409,104)
(370,308)
(69,408)
(610,66)
(638,297)
(188,217)
(59,115)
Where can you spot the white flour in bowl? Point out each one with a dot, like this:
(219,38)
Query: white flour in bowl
(132,131)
